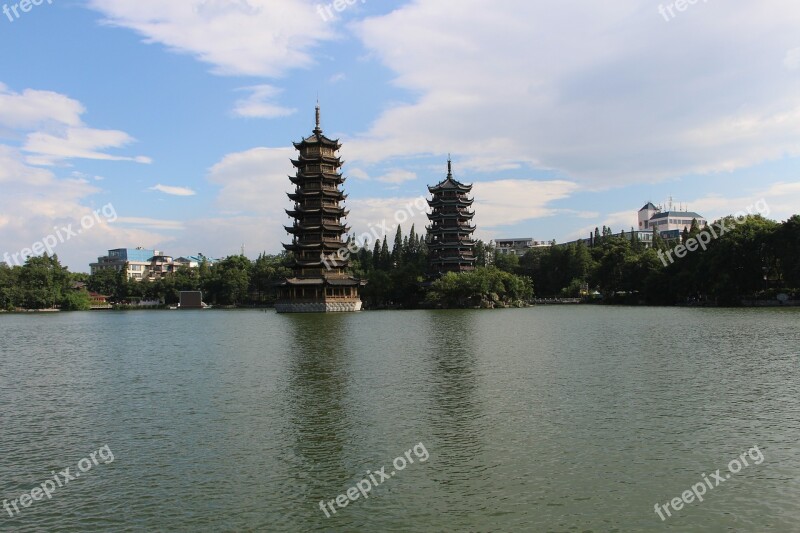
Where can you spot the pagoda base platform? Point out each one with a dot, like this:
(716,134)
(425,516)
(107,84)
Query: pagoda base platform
(345,306)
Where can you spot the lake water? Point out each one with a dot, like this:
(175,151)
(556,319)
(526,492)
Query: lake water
(544,419)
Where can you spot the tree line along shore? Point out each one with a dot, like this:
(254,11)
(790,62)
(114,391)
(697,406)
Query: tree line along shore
(757,260)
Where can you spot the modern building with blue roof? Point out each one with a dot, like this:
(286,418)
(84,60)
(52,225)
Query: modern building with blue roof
(141,263)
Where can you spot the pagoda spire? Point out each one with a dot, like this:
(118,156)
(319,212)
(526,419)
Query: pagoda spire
(449,167)
(317,129)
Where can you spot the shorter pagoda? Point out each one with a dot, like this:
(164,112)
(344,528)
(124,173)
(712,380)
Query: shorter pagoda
(320,282)
(450,244)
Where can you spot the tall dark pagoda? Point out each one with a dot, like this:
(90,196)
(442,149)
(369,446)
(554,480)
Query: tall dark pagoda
(320,282)
(450,243)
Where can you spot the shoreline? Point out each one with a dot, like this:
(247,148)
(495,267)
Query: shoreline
(539,302)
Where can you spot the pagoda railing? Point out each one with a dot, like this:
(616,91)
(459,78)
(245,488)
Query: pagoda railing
(318,150)
(316,187)
(319,169)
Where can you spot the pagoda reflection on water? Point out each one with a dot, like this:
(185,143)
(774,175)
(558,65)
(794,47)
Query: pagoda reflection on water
(319,282)
(450,243)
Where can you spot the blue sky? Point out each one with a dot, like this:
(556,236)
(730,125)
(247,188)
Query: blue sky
(566,116)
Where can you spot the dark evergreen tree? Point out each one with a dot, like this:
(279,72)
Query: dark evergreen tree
(397,248)
(413,243)
(376,255)
(385,260)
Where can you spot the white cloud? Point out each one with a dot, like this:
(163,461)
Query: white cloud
(54,128)
(13,169)
(618,221)
(358,173)
(397,176)
(237,37)
(792,59)
(32,109)
(254,181)
(251,203)
(224,235)
(77,143)
(559,86)
(174,191)
(782,199)
(260,103)
(80,175)
(510,201)
(36,204)
(151,223)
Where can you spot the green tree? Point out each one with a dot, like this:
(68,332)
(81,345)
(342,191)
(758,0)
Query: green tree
(385,258)
(786,246)
(376,255)
(481,253)
(474,288)
(506,262)
(231,280)
(737,259)
(123,285)
(396,257)
(10,296)
(266,271)
(43,282)
(76,300)
(103,282)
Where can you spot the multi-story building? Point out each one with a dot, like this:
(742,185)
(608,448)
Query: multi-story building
(193,261)
(160,266)
(144,264)
(518,247)
(669,224)
(138,261)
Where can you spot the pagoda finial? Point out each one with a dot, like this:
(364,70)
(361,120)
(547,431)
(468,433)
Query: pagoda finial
(317,129)
(449,166)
